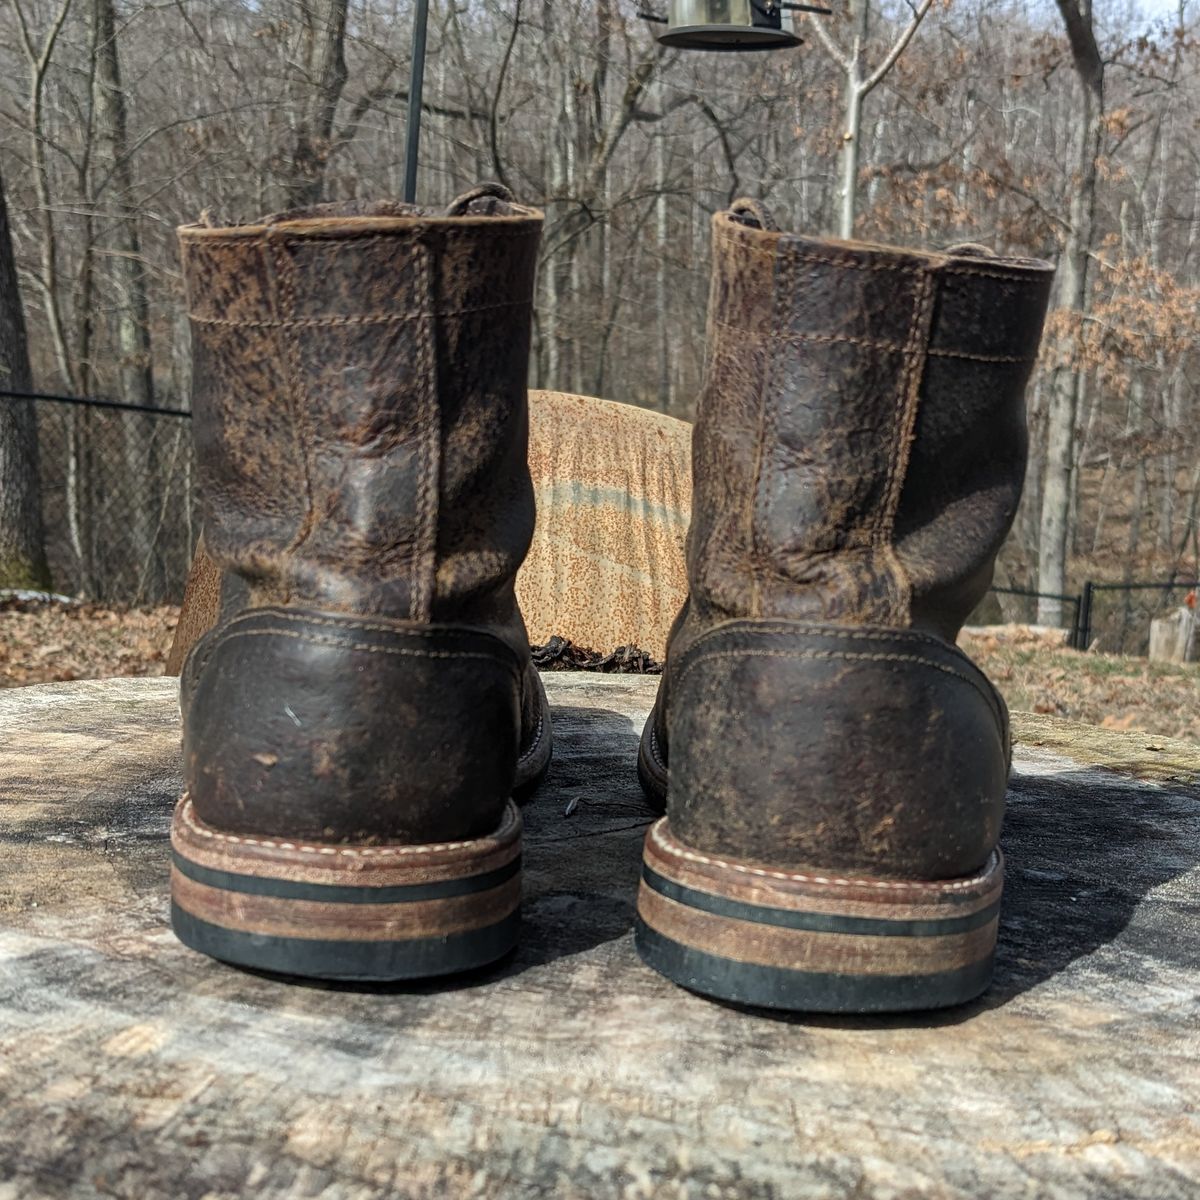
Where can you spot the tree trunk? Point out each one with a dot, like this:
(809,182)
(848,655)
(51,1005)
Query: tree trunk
(1072,299)
(121,243)
(22,545)
(325,62)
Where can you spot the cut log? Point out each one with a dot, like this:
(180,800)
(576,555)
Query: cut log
(130,1066)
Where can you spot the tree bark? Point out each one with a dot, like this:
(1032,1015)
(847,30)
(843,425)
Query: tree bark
(121,242)
(325,60)
(1054,532)
(22,543)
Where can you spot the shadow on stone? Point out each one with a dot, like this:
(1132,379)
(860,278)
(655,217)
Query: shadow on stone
(1083,850)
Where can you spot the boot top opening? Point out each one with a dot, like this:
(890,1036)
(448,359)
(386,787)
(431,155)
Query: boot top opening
(733,225)
(488,204)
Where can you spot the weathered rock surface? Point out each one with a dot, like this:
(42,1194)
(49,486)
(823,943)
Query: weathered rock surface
(132,1067)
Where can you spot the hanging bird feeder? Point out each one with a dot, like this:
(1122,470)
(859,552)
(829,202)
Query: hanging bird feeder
(731,24)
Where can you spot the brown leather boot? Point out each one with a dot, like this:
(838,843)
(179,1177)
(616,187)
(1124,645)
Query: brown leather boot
(355,725)
(837,766)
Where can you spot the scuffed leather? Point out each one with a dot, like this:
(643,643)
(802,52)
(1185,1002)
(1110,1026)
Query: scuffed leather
(854,748)
(849,392)
(858,456)
(336,728)
(360,414)
(360,407)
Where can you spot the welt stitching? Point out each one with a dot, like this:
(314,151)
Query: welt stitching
(366,319)
(869,343)
(285,301)
(420,601)
(186,812)
(981,880)
(331,240)
(916,357)
(369,647)
(768,429)
(821,655)
(365,626)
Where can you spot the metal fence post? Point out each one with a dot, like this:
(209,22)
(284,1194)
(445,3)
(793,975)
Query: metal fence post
(1083,629)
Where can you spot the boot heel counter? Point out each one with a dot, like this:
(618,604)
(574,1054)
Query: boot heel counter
(335,729)
(850,749)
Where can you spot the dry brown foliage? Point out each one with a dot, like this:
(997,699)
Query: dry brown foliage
(42,643)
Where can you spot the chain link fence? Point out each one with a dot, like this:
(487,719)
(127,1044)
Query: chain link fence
(1115,617)
(118,501)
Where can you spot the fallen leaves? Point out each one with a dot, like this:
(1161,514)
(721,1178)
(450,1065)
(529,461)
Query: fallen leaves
(52,642)
(1108,690)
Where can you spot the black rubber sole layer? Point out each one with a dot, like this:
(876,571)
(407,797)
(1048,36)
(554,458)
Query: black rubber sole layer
(371,913)
(814,940)
(349,961)
(760,986)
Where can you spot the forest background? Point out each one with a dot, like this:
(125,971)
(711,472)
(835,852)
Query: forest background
(1059,130)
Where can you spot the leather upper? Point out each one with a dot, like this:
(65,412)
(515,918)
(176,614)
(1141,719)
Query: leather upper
(359,399)
(858,457)
(360,414)
(860,440)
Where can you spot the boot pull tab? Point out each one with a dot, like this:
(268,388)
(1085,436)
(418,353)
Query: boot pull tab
(753,213)
(497,191)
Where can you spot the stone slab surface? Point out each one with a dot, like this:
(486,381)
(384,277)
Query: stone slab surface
(131,1067)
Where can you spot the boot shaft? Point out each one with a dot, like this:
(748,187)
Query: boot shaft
(359,391)
(860,442)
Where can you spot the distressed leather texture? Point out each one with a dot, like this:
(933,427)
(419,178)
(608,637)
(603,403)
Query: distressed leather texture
(858,456)
(330,727)
(360,415)
(851,748)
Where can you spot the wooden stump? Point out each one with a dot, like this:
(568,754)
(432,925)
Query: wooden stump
(132,1067)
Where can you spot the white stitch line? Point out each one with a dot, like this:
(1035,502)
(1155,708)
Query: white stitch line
(916,353)
(675,850)
(510,821)
(983,685)
(821,655)
(365,647)
(986,358)
(864,632)
(366,319)
(767,335)
(400,628)
(656,752)
(329,239)
(429,452)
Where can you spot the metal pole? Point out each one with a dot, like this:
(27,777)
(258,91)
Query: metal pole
(415,86)
(1084,636)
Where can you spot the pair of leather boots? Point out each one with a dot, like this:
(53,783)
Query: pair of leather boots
(362,719)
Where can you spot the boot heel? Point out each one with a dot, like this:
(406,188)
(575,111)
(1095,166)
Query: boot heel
(814,942)
(374,912)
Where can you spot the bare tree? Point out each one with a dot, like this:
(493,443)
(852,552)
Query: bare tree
(1072,306)
(22,548)
(860,82)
